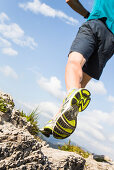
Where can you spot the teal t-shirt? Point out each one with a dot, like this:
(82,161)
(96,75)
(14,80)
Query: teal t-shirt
(104,8)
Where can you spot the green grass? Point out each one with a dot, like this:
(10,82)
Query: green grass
(33,119)
(3,105)
(73,148)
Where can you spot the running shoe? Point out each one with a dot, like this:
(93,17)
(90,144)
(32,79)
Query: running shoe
(47,129)
(64,123)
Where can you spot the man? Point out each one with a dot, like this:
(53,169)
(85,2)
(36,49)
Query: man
(89,53)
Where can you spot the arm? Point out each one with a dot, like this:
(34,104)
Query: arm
(77,6)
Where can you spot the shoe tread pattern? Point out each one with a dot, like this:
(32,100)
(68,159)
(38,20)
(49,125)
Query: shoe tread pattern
(81,99)
(55,135)
(58,129)
(67,117)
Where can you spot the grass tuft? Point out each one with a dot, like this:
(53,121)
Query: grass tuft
(33,119)
(73,148)
(3,105)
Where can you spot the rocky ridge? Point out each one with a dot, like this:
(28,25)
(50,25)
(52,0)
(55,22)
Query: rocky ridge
(19,150)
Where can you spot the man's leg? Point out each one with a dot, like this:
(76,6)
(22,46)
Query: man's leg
(64,122)
(74,77)
(85,80)
(77,99)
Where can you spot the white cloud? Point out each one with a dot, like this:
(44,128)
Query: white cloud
(93,145)
(27,105)
(97,87)
(13,32)
(26,41)
(111,138)
(93,131)
(110,120)
(96,116)
(46,109)
(97,145)
(4,42)
(111,99)
(17,35)
(6,47)
(91,123)
(53,86)
(37,7)
(9,51)
(3,17)
(49,107)
(8,71)
(100,146)
(82,134)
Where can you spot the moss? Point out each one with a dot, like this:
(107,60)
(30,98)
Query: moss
(73,148)
(33,119)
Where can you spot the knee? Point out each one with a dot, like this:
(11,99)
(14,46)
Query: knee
(75,66)
(76,59)
(74,62)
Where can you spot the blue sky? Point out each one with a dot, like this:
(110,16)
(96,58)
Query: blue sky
(35,37)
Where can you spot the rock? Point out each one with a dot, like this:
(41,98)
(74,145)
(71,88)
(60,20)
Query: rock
(63,160)
(92,164)
(8,99)
(102,158)
(19,150)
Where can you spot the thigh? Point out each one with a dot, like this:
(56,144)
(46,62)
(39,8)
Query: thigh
(103,51)
(84,42)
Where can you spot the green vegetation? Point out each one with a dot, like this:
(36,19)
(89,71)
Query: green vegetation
(22,114)
(3,105)
(33,119)
(11,103)
(72,148)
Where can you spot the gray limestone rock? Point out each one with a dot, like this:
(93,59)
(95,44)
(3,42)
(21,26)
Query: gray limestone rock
(19,150)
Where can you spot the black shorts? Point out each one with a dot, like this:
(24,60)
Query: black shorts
(96,43)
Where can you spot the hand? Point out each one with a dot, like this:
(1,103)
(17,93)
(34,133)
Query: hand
(87,15)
